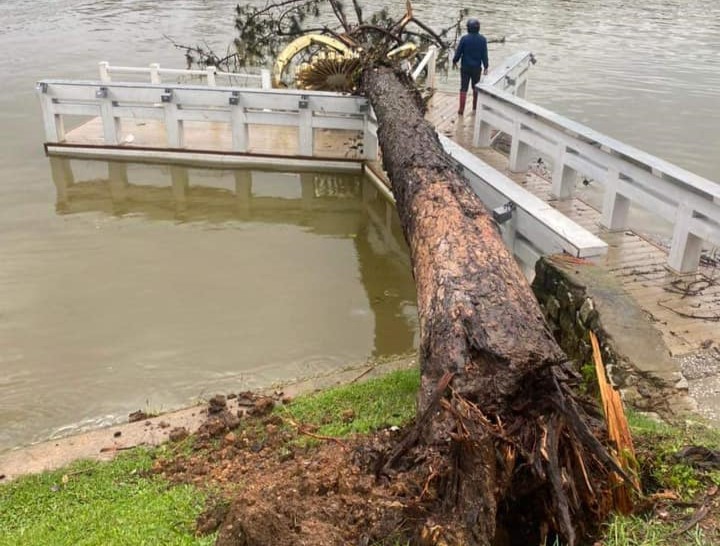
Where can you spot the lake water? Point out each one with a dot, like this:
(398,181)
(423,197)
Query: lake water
(110,303)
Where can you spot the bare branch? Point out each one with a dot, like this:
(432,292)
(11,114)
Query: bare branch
(340,14)
(358,12)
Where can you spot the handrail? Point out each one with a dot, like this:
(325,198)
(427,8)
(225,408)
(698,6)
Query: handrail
(174,104)
(155,71)
(511,75)
(690,202)
(429,61)
(535,227)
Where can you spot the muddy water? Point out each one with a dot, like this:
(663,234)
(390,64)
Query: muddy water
(110,303)
(166,283)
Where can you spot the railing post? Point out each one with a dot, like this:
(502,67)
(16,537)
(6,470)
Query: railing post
(54,126)
(173,126)
(521,91)
(155,73)
(111,124)
(370,140)
(508,231)
(266,81)
(240,135)
(564,178)
(482,131)
(615,206)
(432,68)
(686,247)
(104,72)
(520,152)
(305,129)
(210,71)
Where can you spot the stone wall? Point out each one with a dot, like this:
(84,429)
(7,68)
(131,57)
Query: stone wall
(578,297)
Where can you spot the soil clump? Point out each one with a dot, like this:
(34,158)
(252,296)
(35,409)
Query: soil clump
(282,484)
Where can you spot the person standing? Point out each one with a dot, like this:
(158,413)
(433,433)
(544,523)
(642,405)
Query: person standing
(474,54)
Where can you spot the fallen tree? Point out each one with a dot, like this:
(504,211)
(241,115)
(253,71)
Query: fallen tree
(507,448)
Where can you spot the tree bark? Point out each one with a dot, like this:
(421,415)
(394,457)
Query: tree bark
(506,430)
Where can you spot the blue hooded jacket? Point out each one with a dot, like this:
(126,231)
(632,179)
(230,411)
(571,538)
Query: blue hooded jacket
(473,50)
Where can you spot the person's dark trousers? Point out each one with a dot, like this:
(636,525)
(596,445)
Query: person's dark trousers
(468,76)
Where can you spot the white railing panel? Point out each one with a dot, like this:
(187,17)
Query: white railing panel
(176,103)
(545,228)
(208,74)
(626,174)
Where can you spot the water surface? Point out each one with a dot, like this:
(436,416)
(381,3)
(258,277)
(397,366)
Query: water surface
(116,296)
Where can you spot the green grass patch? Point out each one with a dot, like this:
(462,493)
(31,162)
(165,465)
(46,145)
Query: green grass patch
(359,408)
(638,531)
(657,443)
(93,503)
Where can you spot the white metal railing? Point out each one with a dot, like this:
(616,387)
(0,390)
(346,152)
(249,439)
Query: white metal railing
(174,104)
(688,201)
(512,74)
(210,74)
(428,61)
(534,227)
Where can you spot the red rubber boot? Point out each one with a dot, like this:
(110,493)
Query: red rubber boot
(463,100)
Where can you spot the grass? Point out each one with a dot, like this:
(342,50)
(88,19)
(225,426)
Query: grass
(639,531)
(119,504)
(93,503)
(359,408)
(656,443)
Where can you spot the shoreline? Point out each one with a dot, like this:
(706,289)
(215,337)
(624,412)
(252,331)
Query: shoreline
(105,443)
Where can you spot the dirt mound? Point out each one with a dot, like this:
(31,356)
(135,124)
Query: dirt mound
(280,491)
(282,484)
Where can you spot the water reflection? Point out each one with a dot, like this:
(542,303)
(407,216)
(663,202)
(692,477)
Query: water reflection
(330,204)
(169,282)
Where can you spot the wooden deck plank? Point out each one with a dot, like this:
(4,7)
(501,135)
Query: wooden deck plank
(215,136)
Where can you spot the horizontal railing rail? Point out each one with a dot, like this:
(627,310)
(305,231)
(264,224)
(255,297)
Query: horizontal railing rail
(174,104)
(210,74)
(512,74)
(533,228)
(689,202)
(429,63)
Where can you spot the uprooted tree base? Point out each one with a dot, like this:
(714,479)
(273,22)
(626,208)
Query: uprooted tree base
(274,490)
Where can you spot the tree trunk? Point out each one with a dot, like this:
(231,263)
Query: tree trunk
(505,442)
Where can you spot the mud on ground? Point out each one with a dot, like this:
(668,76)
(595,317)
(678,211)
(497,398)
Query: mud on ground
(278,483)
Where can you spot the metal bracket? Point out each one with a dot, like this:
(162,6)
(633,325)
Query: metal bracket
(167,95)
(533,60)
(510,81)
(364,107)
(503,213)
(42,87)
(101,93)
(304,101)
(235,98)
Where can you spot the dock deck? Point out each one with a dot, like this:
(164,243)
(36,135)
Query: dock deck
(217,137)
